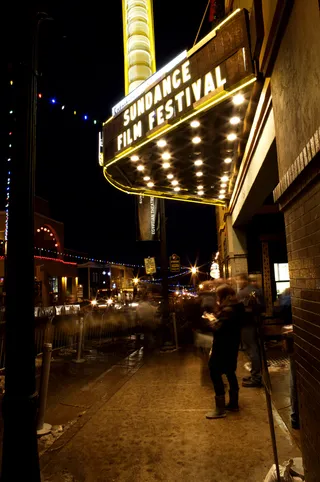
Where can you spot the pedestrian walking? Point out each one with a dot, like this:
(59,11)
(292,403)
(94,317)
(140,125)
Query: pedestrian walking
(226,327)
(251,297)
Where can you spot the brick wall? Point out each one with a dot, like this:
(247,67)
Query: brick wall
(302,219)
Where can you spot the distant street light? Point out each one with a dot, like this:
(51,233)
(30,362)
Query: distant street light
(194,270)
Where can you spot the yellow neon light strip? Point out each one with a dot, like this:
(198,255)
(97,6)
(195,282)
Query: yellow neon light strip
(204,106)
(107,121)
(159,194)
(152,40)
(125,44)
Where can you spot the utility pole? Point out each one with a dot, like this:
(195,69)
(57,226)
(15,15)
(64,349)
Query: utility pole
(20,460)
(164,258)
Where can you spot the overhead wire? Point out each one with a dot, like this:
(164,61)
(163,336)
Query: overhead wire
(204,16)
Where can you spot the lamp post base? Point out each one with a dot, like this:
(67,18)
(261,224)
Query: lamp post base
(44,430)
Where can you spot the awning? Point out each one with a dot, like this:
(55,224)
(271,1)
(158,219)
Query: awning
(179,134)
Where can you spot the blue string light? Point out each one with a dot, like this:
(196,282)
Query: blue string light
(53,100)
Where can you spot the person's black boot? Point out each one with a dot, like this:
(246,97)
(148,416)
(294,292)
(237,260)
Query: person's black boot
(220,410)
(233,405)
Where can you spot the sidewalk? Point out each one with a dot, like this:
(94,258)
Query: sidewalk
(149,424)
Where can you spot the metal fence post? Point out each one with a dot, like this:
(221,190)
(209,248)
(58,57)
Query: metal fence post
(79,359)
(44,428)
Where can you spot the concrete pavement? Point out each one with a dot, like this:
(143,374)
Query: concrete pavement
(149,425)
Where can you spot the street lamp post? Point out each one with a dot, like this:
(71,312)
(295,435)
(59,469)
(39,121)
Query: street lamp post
(21,398)
(194,271)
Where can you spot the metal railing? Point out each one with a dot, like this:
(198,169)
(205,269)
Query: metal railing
(61,328)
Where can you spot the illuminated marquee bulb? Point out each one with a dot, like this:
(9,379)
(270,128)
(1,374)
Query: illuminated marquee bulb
(234,120)
(195,124)
(232,136)
(177,189)
(174,183)
(140,167)
(196,140)
(224,179)
(198,162)
(166,156)
(222,191)
(166,165)
(221,196)
(170,176)
(146,178)
(150,184)
(199,173)
(201,193)
(161,143)
(238,99)
(200,187)
(223,185)
(134,158)
(228,160)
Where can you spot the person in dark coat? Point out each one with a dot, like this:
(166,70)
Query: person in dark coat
(226,326)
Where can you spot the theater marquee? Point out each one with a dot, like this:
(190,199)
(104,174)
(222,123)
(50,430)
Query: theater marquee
(191,85)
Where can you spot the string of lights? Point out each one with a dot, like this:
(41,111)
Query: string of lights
(9,160)
(100,261)
(85,258)
(68,110)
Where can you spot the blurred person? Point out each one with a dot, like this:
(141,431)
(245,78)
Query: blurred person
(226,327)
(251,296)
(146,317)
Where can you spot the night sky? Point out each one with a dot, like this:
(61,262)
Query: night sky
(81,62)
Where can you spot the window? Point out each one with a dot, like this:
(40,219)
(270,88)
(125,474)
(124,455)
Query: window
(54,285)
(282,278)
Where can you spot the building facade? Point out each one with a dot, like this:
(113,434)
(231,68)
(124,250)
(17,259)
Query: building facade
(118,279)
(273,216)
(56,279)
